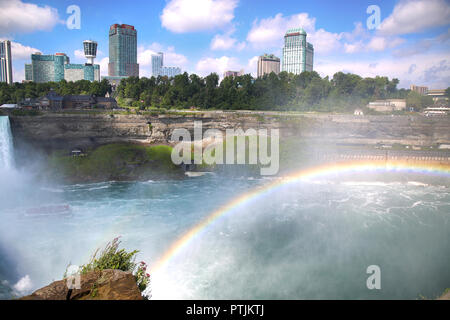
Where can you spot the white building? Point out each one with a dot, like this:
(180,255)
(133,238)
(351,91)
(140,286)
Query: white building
(388,105)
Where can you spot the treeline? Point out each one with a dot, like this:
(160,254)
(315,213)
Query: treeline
(304,92)
(19,91)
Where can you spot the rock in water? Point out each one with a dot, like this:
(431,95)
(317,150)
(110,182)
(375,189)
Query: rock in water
(95,285)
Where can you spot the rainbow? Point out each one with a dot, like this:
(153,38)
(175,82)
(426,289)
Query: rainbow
(302,175)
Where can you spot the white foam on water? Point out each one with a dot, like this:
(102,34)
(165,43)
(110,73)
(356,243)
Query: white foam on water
(24,285)
(419,184)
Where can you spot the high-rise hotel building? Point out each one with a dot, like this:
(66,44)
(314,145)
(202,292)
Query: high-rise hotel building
(267,64)
(47,68)
(56,67)
(123,51)
(6,74)
(298,55)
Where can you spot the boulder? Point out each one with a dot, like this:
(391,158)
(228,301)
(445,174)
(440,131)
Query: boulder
(95,285)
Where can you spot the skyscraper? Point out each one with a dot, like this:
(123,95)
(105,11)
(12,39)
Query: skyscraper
(298,55)
(46,68)
(157,63)
(158,68)
(6,74)
(267,64)
(123,51)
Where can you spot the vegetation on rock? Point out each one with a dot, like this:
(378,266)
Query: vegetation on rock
(113,258)
(115,162)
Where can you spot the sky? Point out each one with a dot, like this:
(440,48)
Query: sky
(411,42)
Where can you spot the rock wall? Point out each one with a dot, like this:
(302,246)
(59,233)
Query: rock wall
(52,131)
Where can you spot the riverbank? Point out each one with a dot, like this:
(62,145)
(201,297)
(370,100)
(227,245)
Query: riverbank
(128,147)
(83,129)
(131,162)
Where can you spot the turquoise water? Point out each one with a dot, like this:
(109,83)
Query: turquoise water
(313,240)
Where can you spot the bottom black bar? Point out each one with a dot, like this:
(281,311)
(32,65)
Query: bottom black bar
(225,309)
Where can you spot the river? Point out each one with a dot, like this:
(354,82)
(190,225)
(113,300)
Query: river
(309,240)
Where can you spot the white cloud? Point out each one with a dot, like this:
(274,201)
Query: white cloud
(79,54)
(269,33)
(222,42)
(104,66)
(424,45)
(410,16)
(353,47)
(226,42)
(377,44)
(252,66)
(325,41)
(183,16)
(17,17)
(21,52)
(207,66)
(432,71)
(18,74)
(360,40)
(358,33)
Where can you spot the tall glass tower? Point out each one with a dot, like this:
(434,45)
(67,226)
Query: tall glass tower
(123,51)
(157,64)
(5,62)
(298,55)
(158,68)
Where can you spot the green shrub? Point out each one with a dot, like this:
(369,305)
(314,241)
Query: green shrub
(111,258)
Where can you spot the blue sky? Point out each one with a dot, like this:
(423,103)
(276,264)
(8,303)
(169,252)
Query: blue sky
(201,36)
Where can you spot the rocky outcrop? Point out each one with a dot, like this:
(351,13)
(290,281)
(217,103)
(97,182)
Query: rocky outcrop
(53,131)
(445,296)
(96,285)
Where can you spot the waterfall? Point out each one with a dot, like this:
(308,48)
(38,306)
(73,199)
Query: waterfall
(6,144)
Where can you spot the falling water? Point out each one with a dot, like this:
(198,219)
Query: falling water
(6,144)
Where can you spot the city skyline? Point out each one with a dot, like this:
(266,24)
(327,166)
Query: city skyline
(232,35)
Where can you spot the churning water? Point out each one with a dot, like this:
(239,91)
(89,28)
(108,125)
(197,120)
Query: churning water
(311,240)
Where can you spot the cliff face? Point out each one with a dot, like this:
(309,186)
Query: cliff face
(53,131)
